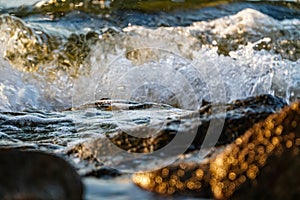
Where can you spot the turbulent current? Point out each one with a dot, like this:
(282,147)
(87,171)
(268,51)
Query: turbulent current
(73,73)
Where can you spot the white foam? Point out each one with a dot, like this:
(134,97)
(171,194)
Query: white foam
(207,75)
(166,64)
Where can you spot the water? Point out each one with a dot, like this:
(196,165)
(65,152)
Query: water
(174,54)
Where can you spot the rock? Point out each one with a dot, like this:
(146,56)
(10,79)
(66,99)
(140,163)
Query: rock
(37,175)
(263,163)
(239,116)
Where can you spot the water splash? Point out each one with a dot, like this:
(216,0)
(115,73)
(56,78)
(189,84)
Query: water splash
(238,56)
(250,68)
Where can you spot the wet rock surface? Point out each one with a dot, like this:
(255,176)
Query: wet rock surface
(101,156)
(191,129)
(37,175)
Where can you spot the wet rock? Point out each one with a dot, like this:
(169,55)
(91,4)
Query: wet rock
(104,172)
(179,135)
(37,175)
(32,49)
(9,143)
(28,123)
(238,116)
(262,164)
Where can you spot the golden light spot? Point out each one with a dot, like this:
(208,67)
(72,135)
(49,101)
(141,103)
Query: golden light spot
(164,184)
(250,152)
(296,151)
(141,179)
(219,161)
(232,176)
(182,165)
(231,187)
(217,192)
(291,135)
(158,179)
(180,173)
(251,155)
(266,142)
(230,160)
(262,160)
(161,188)
(281,116)
(294,106)
(270,148)
(242,179)
(278,130)
(258,131)
(289,144)
(235,150)
(251,146)
(171,190)
(241,157)
(179,185)
(244,166)
(197,185)
(252,171)
(199,173)
(251,174)
(260,139)
(238,141)
(221,172)
(190,185)
(294,124)
(172,182)
(275,141)
(165,172)
(261,150)
(152,184)
(220,184)
(213,182)
(268,133)
(174,177)
(269,124)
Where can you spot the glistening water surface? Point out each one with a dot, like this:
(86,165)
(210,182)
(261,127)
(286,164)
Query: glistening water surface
(59,57)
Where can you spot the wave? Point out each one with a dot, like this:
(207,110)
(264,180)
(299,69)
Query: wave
(232,57)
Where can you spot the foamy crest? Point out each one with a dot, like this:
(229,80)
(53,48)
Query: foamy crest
(241,55)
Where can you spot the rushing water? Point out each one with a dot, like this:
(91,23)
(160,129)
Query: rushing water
(62,54)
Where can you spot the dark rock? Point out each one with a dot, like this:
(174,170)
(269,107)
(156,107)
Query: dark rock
(238,117)
(37,175)
(104,172)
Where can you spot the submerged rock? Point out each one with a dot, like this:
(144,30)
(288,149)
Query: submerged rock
(250,110)
(180,135)
(37,175)
(262,163)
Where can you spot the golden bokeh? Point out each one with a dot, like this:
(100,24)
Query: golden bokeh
(240,162)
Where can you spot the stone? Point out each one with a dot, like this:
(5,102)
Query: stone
(239,116)
(37,175)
